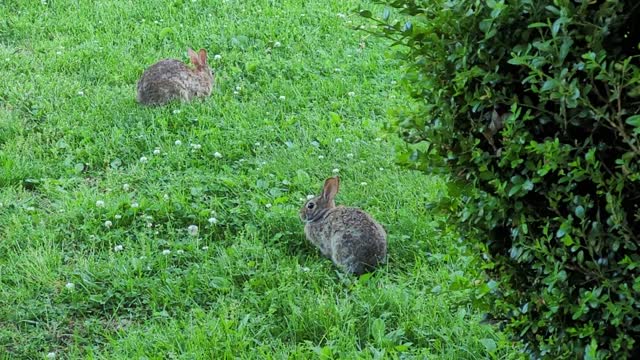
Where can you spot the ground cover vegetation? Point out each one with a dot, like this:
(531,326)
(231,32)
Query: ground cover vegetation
(172,232)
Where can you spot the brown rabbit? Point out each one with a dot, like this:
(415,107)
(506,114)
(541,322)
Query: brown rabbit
(351,238)
(171,79)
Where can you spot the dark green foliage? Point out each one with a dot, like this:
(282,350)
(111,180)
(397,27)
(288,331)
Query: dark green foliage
(535,103)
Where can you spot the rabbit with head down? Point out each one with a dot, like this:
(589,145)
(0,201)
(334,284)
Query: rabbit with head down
(350,237)
(171,79)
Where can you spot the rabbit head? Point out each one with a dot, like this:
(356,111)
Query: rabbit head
(201,69)
(318,207)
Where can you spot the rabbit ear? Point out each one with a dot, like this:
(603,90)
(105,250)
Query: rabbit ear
(330,189)
(203,56)
(195,59)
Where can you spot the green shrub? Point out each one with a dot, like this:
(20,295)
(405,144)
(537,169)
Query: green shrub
(535,103)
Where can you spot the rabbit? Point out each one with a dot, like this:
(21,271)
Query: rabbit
(171,79)
(348,236)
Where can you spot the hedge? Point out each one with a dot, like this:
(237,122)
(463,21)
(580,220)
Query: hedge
(535,104)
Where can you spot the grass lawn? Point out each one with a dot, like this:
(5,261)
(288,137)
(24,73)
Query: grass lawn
(97,194)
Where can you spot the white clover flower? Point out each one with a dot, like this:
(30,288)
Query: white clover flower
(217,155)
(349,155)
(238,88)
(393,82)
(180,252)
(268,205)
(277,44)
(205,248)
(236,93)
(213,221)
(217,57)
(257,144)
(363,183)
(100,203)
(166,196)
(337,70)
(338,140)
(149,225)
(166,252)
(108,224)
(118,248)
(81,93)
(57,53)
(196,146)
(378,139)
(144,159)
(178,142)
(341,15)
(176,111)
(192,230)
(381,169)
(305,269)
(117,217)
(335,171)
(351,94)
(282,98)
(135,205)
(156,151)
(125,187)
(51,355)
(309,197)
(70,286)
(320,157)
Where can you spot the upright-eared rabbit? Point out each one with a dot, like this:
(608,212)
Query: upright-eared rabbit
(351,238)
(171,79)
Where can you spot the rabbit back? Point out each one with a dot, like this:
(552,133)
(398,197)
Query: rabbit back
(169,80)
(351,238)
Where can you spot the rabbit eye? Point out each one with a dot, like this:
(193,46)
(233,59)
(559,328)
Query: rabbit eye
(310,205)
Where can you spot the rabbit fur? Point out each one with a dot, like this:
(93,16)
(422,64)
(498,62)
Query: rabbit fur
(171,79)
(348,236)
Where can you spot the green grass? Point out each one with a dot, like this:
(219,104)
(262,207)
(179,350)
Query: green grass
(249,285)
